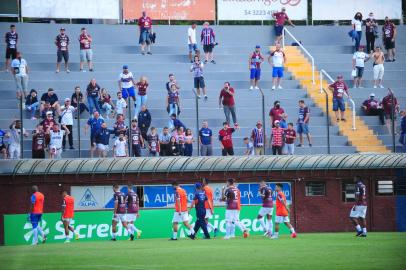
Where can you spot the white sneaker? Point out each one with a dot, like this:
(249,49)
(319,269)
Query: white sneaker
(381,86)
(226,237)
(280,87)
(67,71)
(67,241)
(375,86)
(251,87)
(199,97)
(274,237)
(57,71)
(256,88)
(273,87)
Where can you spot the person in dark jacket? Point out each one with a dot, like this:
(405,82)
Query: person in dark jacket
(176,123)
(402,138)
(173,147)
(199,201)
(32,104)
(103,140)
(144,121)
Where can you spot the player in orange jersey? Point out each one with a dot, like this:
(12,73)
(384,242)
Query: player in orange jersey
(282,213)
(68,206)
(181,213)
(209,212)
(35,217)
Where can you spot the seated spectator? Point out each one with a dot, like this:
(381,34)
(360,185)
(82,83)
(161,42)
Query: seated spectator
(153,143)
(173,147)
(276,112)
(189,140)
(176,123)
(77,98)
(141,100)
(47,108)
(106,103)
(164,139)
(120,148)
(120,126)
(3,146)
(172,81)
(249,147)
(32,104)
(52,98)
(373,106)
(144,121)
(102,140)
(93,95)
(38,143)
(121,104)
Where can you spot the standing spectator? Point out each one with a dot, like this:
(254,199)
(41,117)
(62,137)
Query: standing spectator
(358,63)
(120,148)
(77,100)
(357,27)
(144,121)
(102,139)
(197,69)
(94,123)
(280,19)
(142,97)
(52,99)
(137,142)
(3,147)
(32,103)
(372,106)
(55,141)
(339,88)
(20,72)
(208,39)
(226,140)
(379,69)
(11,39)
(390,105)
(258,139)
(276,112)
(126,84)
(67,112)
(254,65)
(179,134)
(173,101)
(249,147)
(277,139)
(62,43)
(173,147)
(153,143)
(172,81)
(303,123)
(205,140)
(121,104)
(38,143)
(176,123)
(388,38)
(278,60)
(93,96)
(402,138)
(192,42)
(290,137)
(283,123)
(164,140)
(119,126)
(48,122)
(226,99)
(106,102)
(145,26)
(371,30)
(86,53)
(14,139)
(189,140)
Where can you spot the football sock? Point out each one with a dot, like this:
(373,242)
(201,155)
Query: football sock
(262,221)
(240,226)
(228,229)
(364,230)
(113,235)
(292,230)
(276,234)
(232,230)
(41,231)
(34,236)
(270,225)
(358,228)
(175,235)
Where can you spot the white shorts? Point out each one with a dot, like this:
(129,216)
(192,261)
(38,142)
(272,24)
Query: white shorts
(358,211)
(379,70)
(265,211)
(67,220)
(182,217)
(232,215)
(282,219)
(120,217)
(208,214)
(57,152)
(131,217)
(102,147)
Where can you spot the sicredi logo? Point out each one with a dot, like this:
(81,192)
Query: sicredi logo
(88,200)
(28,230)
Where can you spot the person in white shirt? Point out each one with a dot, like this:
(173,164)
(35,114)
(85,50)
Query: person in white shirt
(67,112)
(20,71)
(121,104)
(55,141)
(126,84)
(191,41)
(120,147)
(249,147)
(14,139)
(358,63)
(278,60)
(357,26)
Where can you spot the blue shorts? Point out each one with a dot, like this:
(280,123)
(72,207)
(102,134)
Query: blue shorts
(302,128)
(144,37)
(128,92)
(192,47)
(278,30)
(338,103)
(255,74)
(277,72)
(35,219)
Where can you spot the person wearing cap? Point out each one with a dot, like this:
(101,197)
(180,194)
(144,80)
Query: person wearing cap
(52,99)
(254,65)
(199,201)
(226,140)
(126,84)
(86,52)
(358,63)
(208,39)
(258,138)
(192,41)
(280,19)
(66,120)
(276,112)
(226,99)
(339,89)
(278,60)
(145,26)
(379,70)
(102,140)
(371,31)
(56,136)
(388,38)
(48,122)
(62,43)
(302,124)
(277,139)
(373,106)
(137,142)
(11,39)
(356,23)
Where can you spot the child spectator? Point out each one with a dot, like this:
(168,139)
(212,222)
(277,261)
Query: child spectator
(153,143)
(189,140)
(290,137)
(173,148)
(249,147)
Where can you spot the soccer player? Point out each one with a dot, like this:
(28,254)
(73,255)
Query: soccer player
(67,215)
(199,201)
(359,210)
(282,213)
(36,210)
(133,205)
(119,211)
(181,214)
(209,210)
(266,209)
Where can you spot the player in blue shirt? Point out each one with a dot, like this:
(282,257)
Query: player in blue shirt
(199,203)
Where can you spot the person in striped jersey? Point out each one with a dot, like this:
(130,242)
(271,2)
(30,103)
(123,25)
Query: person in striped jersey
(208,39)
(258,138)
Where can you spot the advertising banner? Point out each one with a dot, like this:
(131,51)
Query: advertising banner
(327,10)
(260,10)
(170,9)
(96,225)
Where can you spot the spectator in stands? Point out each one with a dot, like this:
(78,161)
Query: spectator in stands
(120,148)
(14,139)
(86,53)
(208,39)
(106,103)
(48,122)
(358,63)
(373,106)
(371,31)
(205,140)
(280,19)
(173,101)
(276,112)
(20,72)
(32,103)
(290,137)
(339,89)
(254,65)
(389,33)
(283,123)
(379,70)
(192,41)
(189,140)
(179,134)
(226,140)
(153,143)
(357,26)
(121,104)
(94,123)
(126,84)
(145,26)
(119,126)
(38,143)
(56,136)
(102,140)
(402,138)
(137,142)
(93,95)
(144,121)
(176,123)
(258,139)
(226,99)
(172,81)
(303,123)
(52,98)
(142,97)
(197,69)
(11,39)
(67,115)
(3,146)
(47,109)
(164,140)
(249,147)
(278,60)
(391,107)
(173,147)
(277,139)
(62,43)
(77,100)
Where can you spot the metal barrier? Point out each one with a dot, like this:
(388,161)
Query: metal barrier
(327,113)
(197,121)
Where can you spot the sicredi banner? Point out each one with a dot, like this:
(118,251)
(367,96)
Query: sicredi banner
(260,10)
(96,225)
(345,10)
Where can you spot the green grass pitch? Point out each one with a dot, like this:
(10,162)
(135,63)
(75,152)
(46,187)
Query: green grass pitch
(308,251)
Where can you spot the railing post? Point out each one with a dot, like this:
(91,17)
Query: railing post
(22,126)
(78,122)
(327,112)
(263,118)
(283,37)
(392,112)
(129,126)
(197,121)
